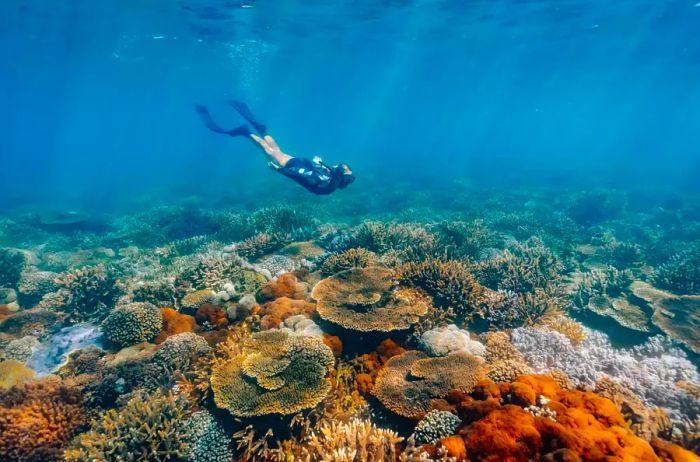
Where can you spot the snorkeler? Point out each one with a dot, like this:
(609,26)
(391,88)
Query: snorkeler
(313,175)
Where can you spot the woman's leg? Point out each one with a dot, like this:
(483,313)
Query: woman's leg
(270,147)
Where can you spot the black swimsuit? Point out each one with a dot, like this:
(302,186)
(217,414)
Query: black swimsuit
(318,178)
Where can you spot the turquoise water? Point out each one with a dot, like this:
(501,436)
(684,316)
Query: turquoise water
(98,96)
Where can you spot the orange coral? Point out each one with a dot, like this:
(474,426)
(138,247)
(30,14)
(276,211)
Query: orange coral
(174,323)
(285,286)
(453,446)
(668,452)
(274,312)
(213,315)
(37,420)
(388,349)
(334,343)
(577,426)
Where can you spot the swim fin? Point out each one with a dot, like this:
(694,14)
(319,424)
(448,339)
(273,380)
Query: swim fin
(241,130)
(245,112)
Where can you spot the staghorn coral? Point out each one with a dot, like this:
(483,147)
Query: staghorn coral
(366,299)
(84,294)
(505,309)
(286,285)
(207,440)
(174,323)
(275,372)
(274,312)
(38,419)
(619,254)
(410,381)
(261,244)
(132,323)
(357,257)
(523,267)
(450,283)
(681,273)
(279,219)
(445,340)
(566,326)
(11,265)
(148,428)
(435,426)
(460,239)
(357,440)
(410,240)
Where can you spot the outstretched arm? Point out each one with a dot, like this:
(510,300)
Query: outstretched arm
(273,151)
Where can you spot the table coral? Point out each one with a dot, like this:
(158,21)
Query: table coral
(367,299)
(132,323)
(409,382)
(275,372)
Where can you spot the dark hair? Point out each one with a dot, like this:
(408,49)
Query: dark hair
(346,179)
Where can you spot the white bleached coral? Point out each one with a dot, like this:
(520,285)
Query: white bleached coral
(442,341)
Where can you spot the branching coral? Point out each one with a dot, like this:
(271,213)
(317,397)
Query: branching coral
(275,372)
(411,240)
(354,441)
(450,283)
(410,381)
(460,239)
(357,257)
(261,244)
(86,294)
(207,440)
(681,273)
(650,370)
(505,309)
(150,429)
(367,299)
(133,323)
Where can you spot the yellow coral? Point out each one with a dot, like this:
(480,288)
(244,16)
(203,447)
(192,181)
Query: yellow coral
(566,326)
(14,373)
(366,300)
(357,440)
(197,298)
(410,381)
(274,372)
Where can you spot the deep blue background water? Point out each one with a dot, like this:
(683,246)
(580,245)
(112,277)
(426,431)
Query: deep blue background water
(97,95)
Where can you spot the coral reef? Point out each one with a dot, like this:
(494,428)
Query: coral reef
(450,283)
(435,426)
(148,428)
(36,322)
(13,373)
(84,294)
(261,244)
(174,323)
(355,440)
(21,349)
(211,316)
(681,273)
(450,339)
(194,300)
(130,324)
(274,312)
(38,420)
(650,370)
(357,257)
(274,372)
(410,381)
(367,299)
(11,265)
(207,440)
(286,285)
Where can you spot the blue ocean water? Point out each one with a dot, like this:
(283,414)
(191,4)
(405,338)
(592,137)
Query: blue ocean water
(97,96)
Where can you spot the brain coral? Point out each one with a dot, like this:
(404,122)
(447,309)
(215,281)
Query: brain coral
(410,381)
(275,372)
(132,323)
(367,299)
